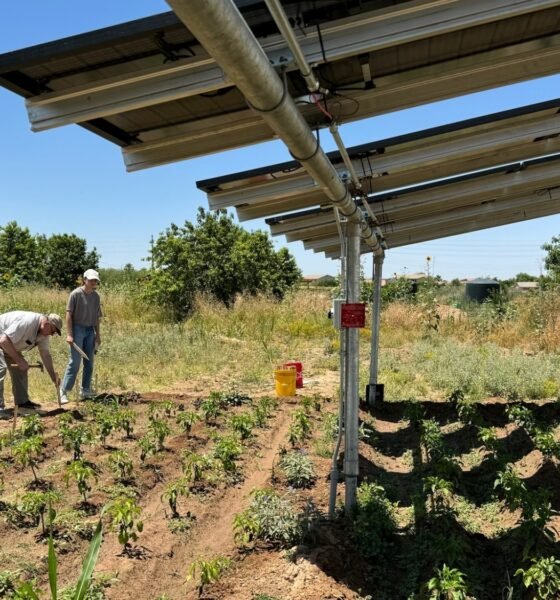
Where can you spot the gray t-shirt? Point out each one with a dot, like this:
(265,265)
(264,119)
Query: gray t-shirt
(22,327)
(85,308)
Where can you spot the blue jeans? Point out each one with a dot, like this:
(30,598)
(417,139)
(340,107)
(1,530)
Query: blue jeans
(84,337)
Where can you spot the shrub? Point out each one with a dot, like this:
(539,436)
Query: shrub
(374,522)
(270,519)
(298,469)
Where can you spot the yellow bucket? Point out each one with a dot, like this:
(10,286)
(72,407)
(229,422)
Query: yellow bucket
(285,382)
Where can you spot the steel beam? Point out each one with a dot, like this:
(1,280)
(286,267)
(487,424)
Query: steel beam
(480,71)
(402,165)
(541,204)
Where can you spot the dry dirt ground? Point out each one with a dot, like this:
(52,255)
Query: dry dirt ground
(328,565)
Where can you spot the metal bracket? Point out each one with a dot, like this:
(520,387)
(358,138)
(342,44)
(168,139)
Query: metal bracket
(170,51)
(280,58)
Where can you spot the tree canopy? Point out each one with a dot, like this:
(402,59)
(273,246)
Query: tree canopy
(216,256)
(58,260)
(552,259)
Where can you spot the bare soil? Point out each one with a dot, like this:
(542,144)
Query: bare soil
(327,565)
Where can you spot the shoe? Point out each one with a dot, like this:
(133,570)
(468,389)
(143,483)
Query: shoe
(29,405)
(63,398)
(87,394)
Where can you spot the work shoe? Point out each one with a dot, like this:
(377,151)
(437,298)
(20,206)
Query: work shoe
(63,398)
(86,394)
(29,405)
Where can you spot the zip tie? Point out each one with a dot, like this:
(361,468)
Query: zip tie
(280,102)
(312,155)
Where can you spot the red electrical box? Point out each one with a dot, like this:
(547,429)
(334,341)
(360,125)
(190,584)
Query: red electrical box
(353,315)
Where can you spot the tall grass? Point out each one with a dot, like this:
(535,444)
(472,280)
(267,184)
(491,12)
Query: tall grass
(483,350)
(217,346)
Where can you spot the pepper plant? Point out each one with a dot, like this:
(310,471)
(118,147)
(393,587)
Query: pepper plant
(242,425)
(447,584)
(300,428)
(227,450)
(147,446)
(186,419)
(171,494)
(124,513)
(440,491)
(194,465)
(514,489)
(35,505)
(121,464)
(31,426)
(125,420)
(543,576)
(27,452)
(159,430)
(209,571)
(73,438)
(81,472)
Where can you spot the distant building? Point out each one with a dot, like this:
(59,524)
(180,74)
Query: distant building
(525,286)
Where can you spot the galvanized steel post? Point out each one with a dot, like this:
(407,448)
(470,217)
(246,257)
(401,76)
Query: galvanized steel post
(352,372)
(375,324)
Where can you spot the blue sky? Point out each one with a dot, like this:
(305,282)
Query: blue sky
(68,180)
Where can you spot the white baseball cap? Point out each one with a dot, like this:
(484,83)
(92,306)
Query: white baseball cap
(91,274)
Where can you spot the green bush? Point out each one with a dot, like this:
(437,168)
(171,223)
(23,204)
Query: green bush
(270,519)
(298,469)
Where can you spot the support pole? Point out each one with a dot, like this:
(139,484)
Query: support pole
(343,356)
(352,371)
(375,324)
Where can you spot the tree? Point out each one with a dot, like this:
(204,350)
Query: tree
(552,259)
(66,258)
(216,256)
(18,255)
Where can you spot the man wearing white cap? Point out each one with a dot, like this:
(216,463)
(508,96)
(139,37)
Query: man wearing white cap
(83,313)
(20,331)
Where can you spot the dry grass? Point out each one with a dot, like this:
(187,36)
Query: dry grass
(239,346)
(242,345)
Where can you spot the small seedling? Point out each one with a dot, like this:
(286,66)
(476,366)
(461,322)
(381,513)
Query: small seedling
(172,493)
(209,571)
